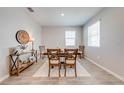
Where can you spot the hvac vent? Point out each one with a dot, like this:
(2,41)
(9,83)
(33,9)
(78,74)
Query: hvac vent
(30,9)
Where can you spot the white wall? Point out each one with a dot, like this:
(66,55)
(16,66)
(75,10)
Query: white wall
(54,37)
(12,20)
(111,52)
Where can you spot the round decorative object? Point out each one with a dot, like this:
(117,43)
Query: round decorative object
(32,59)
(22,37)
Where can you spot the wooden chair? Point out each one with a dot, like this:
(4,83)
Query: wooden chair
(54,59)
(81,51)
(42,50)
(70,59)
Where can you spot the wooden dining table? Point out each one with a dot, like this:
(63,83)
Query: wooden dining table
(62,55)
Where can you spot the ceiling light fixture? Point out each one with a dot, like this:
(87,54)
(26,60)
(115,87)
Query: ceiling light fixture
(62,14)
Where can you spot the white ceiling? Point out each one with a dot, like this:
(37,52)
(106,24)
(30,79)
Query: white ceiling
(50,16)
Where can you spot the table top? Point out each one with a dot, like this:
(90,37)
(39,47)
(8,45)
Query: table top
(61,53)
(25,52)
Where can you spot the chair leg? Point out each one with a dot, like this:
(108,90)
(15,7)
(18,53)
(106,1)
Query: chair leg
(49,71)
(80,56)
(75,71)
(64,66)
(60,66)
(65,70)
(59,70)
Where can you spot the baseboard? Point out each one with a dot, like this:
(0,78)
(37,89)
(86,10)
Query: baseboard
(3,78)
(106,69)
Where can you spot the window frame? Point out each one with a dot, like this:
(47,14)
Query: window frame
(96,34)
(73,38)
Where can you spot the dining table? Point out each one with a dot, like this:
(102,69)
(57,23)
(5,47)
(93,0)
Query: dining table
(62,53)
(62,56)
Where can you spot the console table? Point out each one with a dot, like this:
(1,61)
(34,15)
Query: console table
(15,66)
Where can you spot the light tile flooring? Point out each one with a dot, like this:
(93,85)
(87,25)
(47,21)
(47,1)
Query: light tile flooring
(98,77)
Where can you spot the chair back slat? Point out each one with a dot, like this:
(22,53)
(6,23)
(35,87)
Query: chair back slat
(70,54)
(53,54)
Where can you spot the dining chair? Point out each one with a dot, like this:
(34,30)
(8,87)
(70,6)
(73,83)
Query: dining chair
(42,50)
(81,51)
(54,60)
(70,59)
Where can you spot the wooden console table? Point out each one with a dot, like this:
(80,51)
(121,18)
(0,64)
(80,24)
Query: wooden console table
(14,66)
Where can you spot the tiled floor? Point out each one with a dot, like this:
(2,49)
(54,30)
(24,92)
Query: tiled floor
(98,77)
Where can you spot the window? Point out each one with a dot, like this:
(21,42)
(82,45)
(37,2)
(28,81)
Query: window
(94,34)
(70,38)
